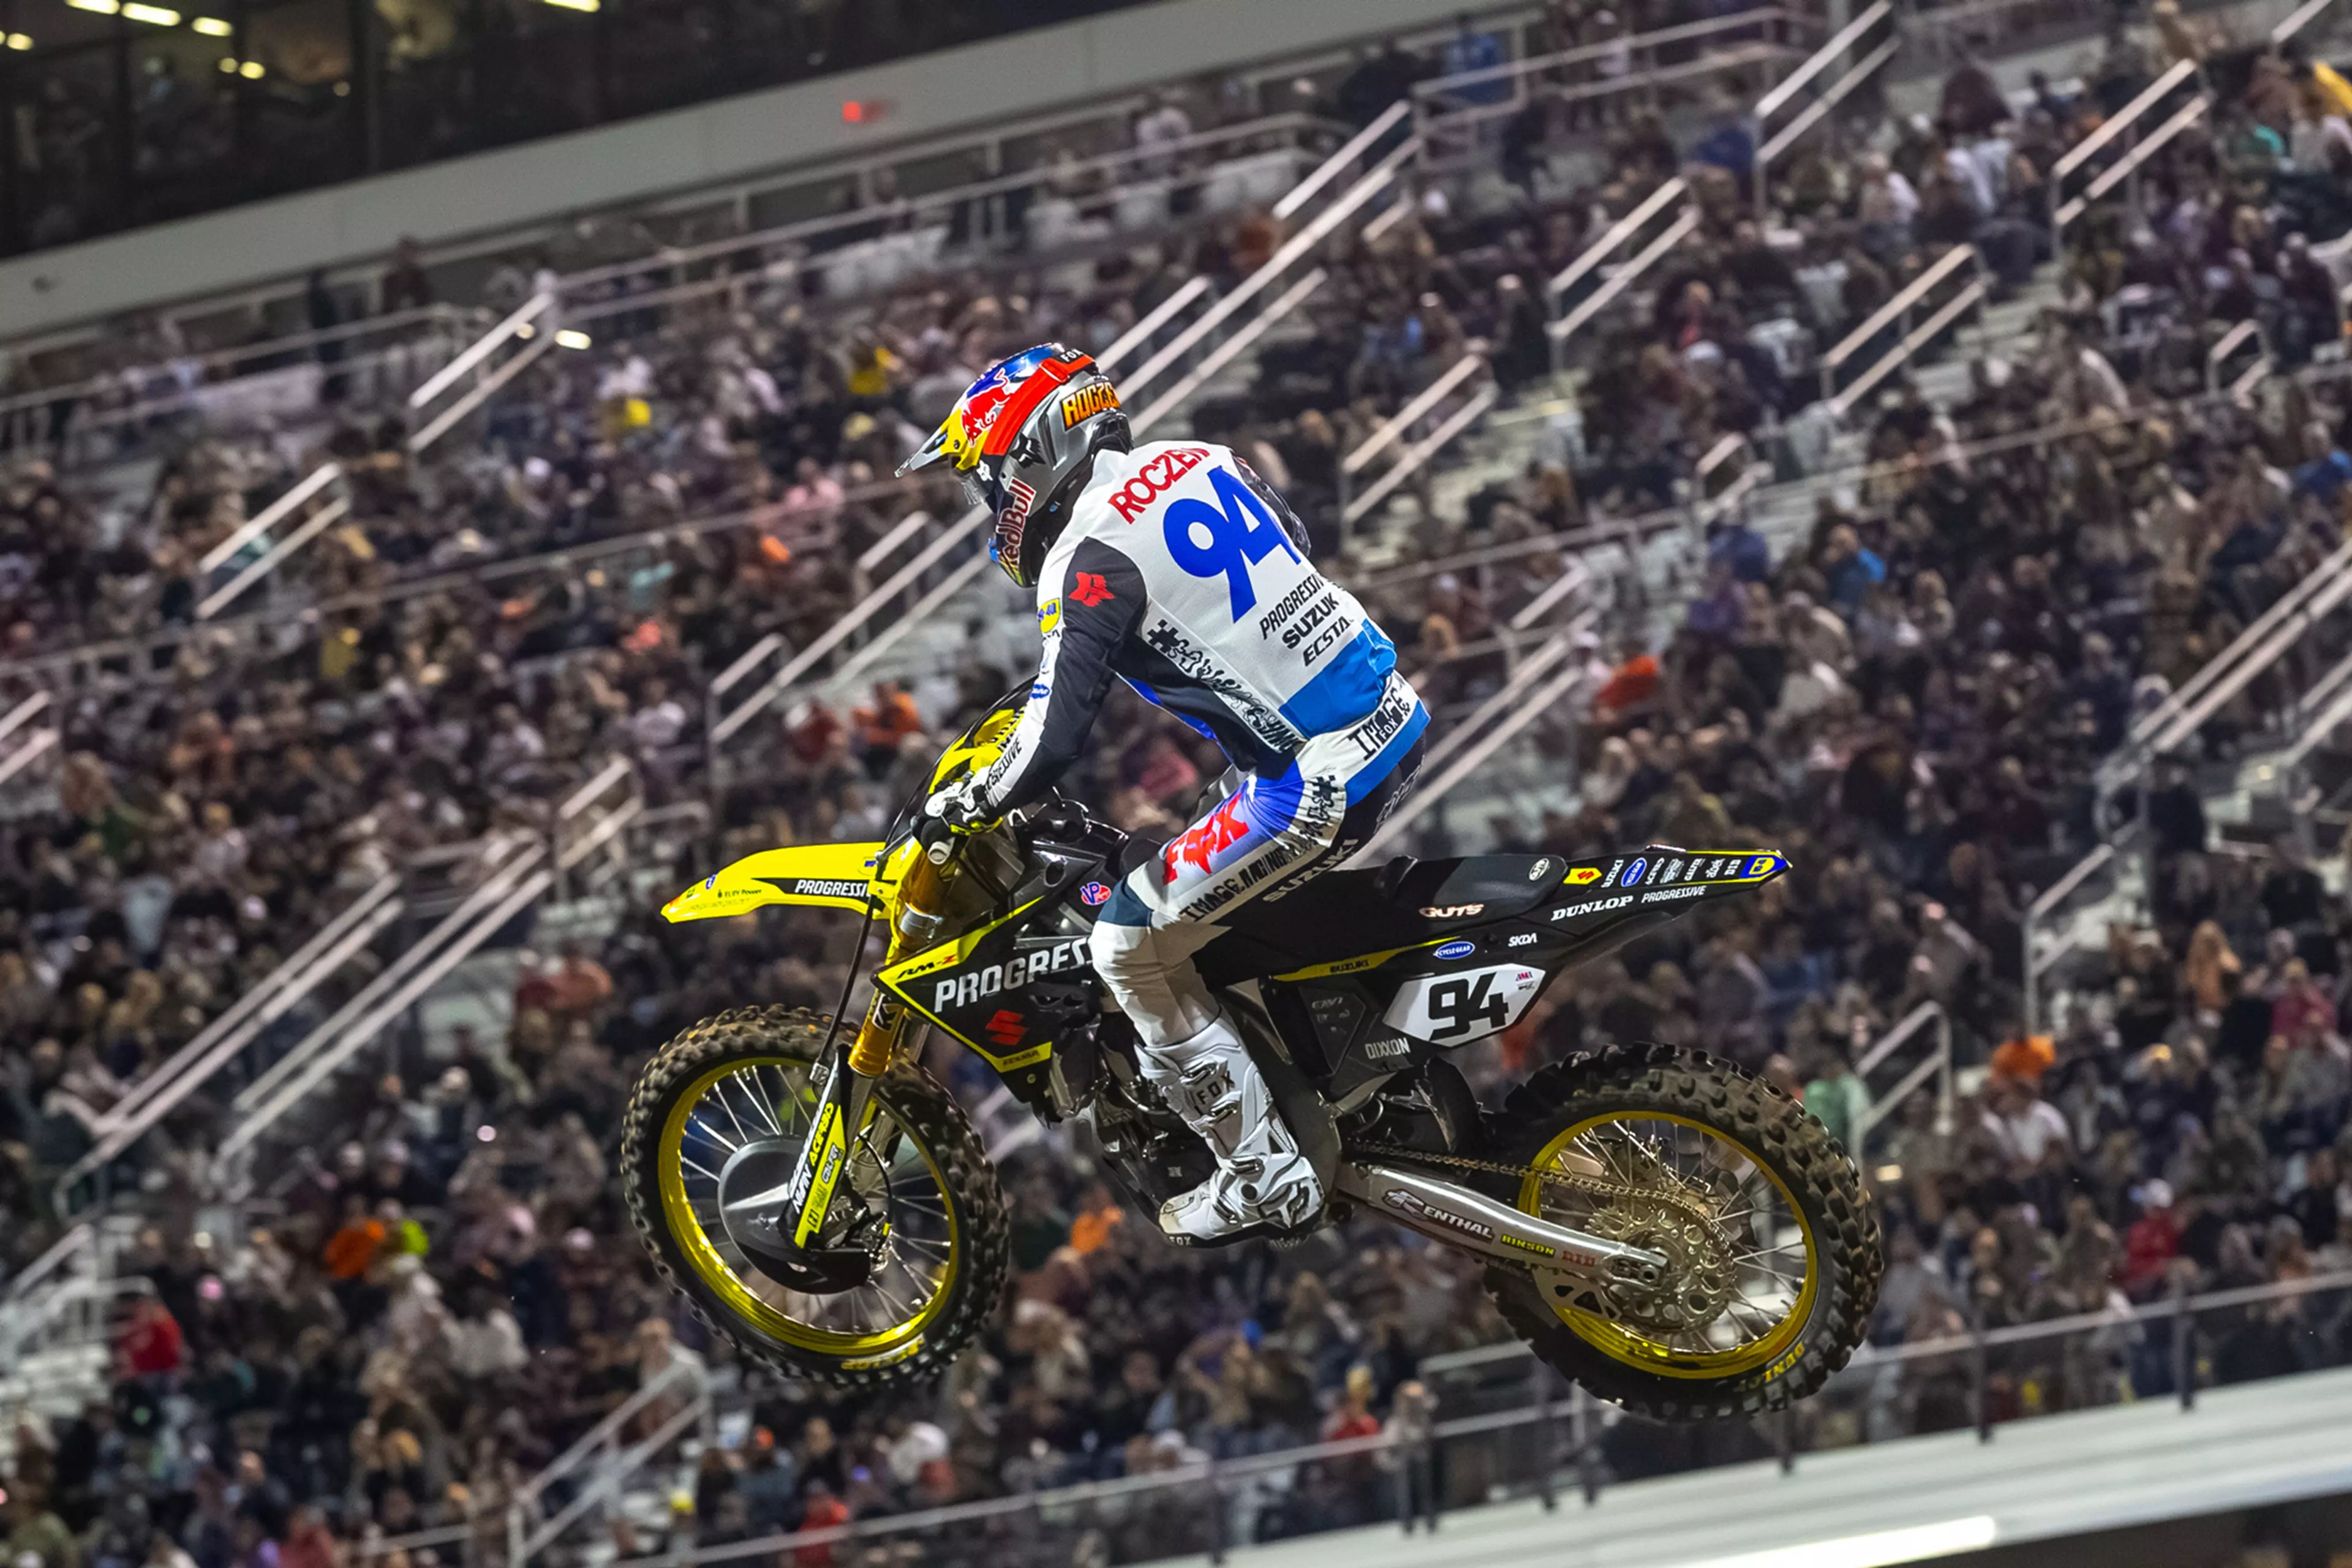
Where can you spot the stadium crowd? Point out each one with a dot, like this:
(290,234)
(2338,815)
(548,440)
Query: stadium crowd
(1910,703)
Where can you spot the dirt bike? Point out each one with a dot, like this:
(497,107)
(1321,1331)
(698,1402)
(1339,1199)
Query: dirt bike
(1673,1234)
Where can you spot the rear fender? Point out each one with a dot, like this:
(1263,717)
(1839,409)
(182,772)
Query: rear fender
(1663,875)
(1603,904)
(826,876)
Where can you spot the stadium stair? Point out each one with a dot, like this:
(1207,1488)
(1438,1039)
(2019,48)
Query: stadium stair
(58,1327)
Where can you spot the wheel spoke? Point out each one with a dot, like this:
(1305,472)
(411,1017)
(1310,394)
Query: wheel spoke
(749,1084)
(702,1124)
(719,1092)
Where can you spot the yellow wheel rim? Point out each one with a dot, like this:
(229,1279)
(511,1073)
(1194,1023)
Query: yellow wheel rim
(1770,1295)
(766,1098)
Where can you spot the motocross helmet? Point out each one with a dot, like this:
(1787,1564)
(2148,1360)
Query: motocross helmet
(1022,440)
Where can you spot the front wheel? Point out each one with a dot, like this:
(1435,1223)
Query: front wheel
(738,1087)
(1772,1253)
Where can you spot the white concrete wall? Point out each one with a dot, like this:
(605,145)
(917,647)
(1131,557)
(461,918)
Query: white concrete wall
(722,141)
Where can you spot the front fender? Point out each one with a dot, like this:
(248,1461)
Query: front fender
(829,876)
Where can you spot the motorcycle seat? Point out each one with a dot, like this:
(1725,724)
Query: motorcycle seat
(1406,902)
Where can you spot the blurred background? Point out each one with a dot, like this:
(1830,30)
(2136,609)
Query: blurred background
(444,505)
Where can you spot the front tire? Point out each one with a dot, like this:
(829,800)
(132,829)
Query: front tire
(1742,1329)
(747,1074)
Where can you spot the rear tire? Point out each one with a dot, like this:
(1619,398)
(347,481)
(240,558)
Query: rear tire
(923,1112)
(1822,1329)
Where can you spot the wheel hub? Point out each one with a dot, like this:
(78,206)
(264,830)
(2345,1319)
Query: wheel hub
(1698,1282)
(835,1263)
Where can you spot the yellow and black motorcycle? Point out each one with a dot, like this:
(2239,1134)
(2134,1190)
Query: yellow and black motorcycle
(1670,1232)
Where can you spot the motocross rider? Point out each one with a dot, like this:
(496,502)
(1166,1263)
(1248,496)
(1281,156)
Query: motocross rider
(1174,567)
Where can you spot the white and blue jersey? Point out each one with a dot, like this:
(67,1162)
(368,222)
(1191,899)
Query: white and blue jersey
(1183,573)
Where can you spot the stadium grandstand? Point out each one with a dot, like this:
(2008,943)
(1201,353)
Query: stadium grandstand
(446,503)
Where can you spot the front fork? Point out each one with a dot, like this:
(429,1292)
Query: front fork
(845,1096)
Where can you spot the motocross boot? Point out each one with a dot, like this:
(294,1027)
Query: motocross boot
(1262,1178)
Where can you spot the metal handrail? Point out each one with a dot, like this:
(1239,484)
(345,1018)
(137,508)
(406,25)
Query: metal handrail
(1869,1357)
(1681,31)
(1374,181)
(30,1315)
(1429,397)
(1418,455)
(2082,152)
(1438,132)
(1623,229)
(511,863)
(187,1069)
(1919,338)
(2227,345)
(34,747)
(518,325)
(17,718)
(369,1547)
(1231,348)
(418,969)
(59,1253)
(1300,194)
(2122,170)
(1816,112)
(1937,1065)
(203,402)
(2309,614)
(2322,726)
(2036,964)
(135,649)
(522,316)
(1161,314)
(1904,300)
(2145,729)
(605,1431)
(482,391)
(1771,146)
(316,524)
(1589,536)
(1075,1500)
(1110,112)
(268,517)
(1593,304)
(1821,59)
(2295,21)
(594,1493)
(1245,132)
(41,397)
(458,941)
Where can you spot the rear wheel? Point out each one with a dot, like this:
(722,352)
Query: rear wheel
(917,1189)
(1773,1254)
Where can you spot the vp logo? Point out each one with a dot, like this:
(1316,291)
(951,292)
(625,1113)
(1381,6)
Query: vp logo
(1239,532)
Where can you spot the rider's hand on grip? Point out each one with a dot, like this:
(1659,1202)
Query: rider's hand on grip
(948,815)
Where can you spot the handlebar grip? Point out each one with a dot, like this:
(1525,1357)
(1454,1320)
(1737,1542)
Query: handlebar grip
(936,837)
